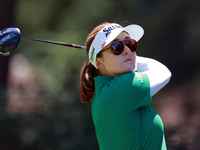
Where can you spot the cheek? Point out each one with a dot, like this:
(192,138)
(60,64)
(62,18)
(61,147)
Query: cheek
(109,62)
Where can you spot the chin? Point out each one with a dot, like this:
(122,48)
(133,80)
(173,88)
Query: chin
(131,68)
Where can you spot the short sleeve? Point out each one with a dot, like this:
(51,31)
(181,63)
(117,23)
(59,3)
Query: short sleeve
(132,91)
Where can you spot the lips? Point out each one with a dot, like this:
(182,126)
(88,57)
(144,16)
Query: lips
(129,59)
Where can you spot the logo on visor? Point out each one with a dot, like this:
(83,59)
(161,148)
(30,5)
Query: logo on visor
(92,54)
(108,30)
(103,43)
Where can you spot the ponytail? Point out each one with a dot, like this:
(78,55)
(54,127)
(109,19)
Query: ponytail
(88,71)
(87,87)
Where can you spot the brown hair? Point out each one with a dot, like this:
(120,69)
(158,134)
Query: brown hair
(88,71)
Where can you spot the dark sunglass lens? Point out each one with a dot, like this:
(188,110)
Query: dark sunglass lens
(128,43)
(132,44)
(117,48)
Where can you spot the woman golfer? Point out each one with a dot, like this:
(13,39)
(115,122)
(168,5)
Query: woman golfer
(120,85)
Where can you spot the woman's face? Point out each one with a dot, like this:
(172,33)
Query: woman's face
(115,65)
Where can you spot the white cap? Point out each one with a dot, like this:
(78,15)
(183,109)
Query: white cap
(108,34)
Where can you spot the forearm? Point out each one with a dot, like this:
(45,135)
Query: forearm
(158,74)
(146,64)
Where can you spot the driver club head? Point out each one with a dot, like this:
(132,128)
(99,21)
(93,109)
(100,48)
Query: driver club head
(9,40)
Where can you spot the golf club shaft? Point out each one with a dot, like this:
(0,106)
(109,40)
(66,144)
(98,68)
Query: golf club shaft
(54,42)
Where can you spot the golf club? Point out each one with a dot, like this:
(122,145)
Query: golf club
(10,38)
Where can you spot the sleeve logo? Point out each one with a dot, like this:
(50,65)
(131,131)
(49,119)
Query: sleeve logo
(139,78)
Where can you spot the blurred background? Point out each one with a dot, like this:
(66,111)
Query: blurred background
(40,107)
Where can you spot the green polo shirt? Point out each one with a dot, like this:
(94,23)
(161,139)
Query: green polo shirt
(123,116)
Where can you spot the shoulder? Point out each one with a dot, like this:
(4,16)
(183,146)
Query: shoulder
(132,90)
(130,84)
(132,78)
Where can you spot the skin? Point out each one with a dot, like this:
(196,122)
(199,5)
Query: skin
(114,65)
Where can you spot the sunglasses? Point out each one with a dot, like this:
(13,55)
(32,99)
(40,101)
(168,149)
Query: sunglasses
(118,47)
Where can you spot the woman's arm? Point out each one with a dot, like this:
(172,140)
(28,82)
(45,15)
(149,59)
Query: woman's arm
(158,74)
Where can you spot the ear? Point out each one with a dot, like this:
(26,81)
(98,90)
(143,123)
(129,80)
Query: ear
(99,63)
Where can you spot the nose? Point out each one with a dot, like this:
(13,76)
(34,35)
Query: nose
(126,50)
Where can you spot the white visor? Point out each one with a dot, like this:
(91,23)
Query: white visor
(108,34)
